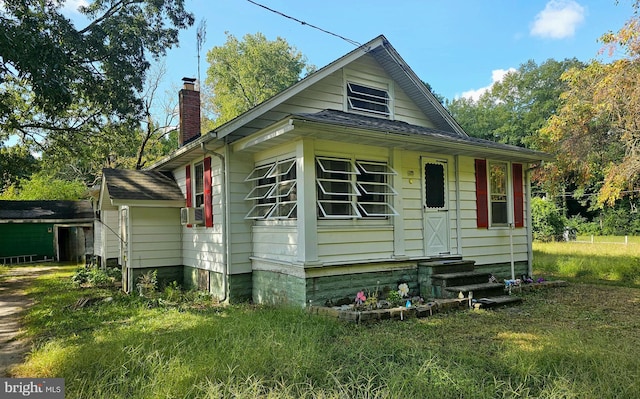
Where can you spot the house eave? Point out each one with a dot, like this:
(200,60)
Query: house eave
(297,126)
(148,203)
(87,222)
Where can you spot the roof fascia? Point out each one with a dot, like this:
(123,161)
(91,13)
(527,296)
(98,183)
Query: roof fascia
(148,203)
(415,80)
(84,221)
(513,152)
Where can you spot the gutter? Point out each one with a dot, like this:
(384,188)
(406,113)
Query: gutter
(225,216)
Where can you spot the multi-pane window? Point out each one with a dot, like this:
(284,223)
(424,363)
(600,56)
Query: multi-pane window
(274,191)
(498,192)
(199,184)
(349,189)
(368,99)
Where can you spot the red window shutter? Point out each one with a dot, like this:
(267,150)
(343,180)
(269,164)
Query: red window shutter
(518,195)
(188,188)
(482,206)
(208,206)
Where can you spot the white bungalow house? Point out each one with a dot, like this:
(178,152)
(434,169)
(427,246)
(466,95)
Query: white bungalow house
(353,178)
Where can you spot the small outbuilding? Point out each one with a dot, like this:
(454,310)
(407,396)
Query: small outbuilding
(34,231)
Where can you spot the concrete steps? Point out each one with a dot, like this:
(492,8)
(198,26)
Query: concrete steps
(458,278)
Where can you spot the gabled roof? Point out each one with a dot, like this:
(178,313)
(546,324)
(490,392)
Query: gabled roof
(385,55)
(46,211)
(138,185)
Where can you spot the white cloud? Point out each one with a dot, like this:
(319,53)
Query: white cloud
(558,20)
(496,76)
(71,6)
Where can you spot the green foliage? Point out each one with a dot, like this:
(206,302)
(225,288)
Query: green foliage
(394,297)
(42,187)
(16,162)
(244,73)
(64,67)
(94,276)
(514,110)
(547,222)
(75,94)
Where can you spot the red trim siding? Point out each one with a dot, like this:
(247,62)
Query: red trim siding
(482,206)
(518,195)
(208,206)
(188,188)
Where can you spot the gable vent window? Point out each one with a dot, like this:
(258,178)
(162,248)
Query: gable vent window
(368,99)
(349,189)
(274,191)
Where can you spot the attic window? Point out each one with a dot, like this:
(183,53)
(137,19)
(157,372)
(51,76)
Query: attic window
(367,99)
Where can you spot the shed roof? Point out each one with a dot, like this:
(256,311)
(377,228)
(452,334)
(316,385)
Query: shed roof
(46,210)
(123,184)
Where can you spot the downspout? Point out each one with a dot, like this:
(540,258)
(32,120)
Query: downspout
(529,227)
(456,165)
(225,221)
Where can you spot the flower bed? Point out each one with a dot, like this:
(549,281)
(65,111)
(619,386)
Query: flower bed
(360,315)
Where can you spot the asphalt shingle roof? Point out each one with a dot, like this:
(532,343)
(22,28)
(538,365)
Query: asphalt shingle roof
(45,210)
(141,185)
(347,119)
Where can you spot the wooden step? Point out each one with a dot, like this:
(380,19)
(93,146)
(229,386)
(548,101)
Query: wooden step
(492,302)
(459,278)
(440,266)
(479,290)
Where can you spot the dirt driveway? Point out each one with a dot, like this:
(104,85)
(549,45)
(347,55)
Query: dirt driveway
(13,303)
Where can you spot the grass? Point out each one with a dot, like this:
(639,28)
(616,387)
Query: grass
(599,263)
(557,344)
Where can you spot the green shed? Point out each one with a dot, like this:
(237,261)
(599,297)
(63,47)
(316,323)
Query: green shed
(33,231)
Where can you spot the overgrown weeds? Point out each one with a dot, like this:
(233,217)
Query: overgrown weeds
(558,343)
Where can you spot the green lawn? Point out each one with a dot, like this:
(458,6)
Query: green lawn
(579,341)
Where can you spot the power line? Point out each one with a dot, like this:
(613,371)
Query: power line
(352,42)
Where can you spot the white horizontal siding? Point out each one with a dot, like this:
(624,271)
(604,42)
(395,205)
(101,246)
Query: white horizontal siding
(154,237)
(275,242)
(329,93)
(355,244)
(111,241)
(491,245)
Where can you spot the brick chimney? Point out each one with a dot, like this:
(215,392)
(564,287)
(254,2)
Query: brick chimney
(189,112)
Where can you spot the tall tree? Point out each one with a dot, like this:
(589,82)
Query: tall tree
(57,79)
(244,73)
(597,130)
(514,109)
(16,163)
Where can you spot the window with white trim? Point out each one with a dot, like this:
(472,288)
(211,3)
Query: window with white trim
(353,189)
(274,191)
(368,99)
(199,184)
(498,186)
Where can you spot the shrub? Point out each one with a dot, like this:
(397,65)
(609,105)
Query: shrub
(547,223)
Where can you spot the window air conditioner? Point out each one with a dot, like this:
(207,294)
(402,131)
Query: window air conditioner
(193,216)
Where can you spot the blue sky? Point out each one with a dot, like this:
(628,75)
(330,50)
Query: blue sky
(460,47)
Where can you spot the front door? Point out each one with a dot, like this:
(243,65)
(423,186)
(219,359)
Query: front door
(435,206)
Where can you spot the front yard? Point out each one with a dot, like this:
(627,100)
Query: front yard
(579,341)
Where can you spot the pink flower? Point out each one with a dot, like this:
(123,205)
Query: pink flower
(360,298)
